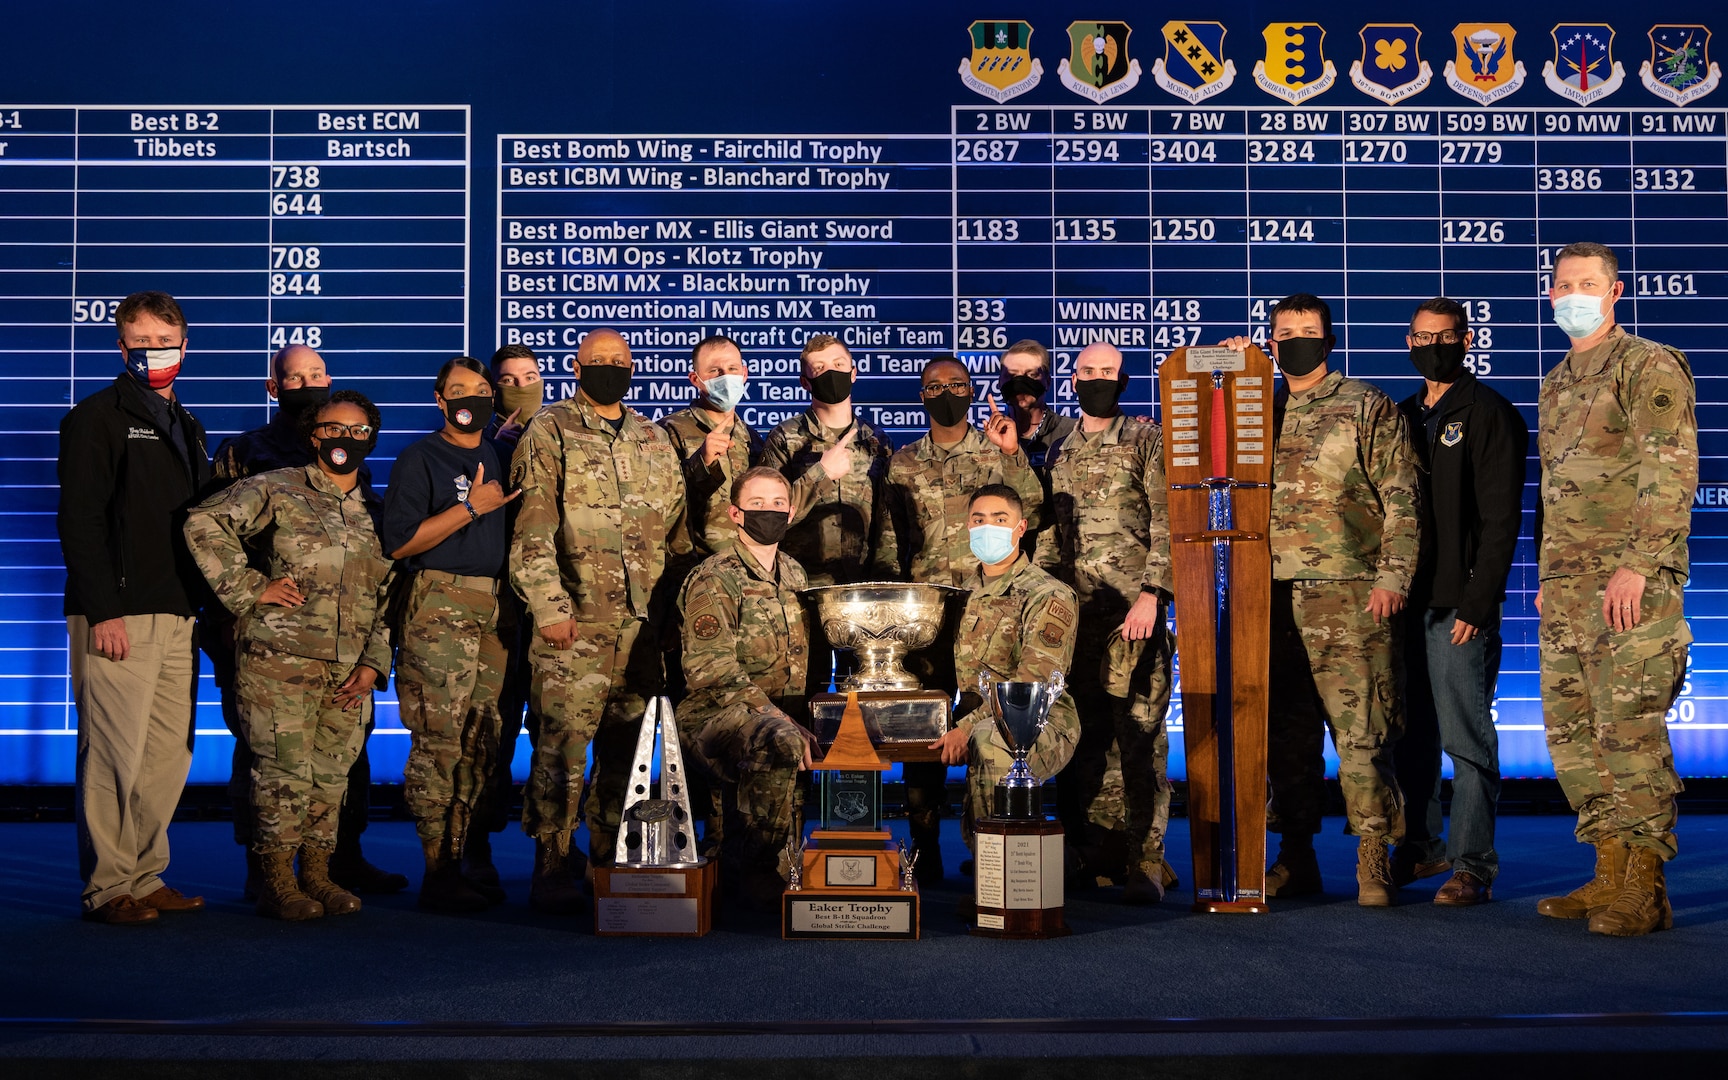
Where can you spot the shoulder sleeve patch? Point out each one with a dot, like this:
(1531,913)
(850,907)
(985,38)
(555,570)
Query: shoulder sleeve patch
(1663,400)
(706,626)
(1052,635)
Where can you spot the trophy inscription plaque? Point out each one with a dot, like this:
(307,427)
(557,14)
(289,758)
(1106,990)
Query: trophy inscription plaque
(879,622)
(657,886)
(1017,890)
(850,878)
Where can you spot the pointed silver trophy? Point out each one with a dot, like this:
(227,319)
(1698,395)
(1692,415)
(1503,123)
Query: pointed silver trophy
(657,831)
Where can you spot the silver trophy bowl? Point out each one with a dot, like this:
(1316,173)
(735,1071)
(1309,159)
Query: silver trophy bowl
(880,622)
(1022,710)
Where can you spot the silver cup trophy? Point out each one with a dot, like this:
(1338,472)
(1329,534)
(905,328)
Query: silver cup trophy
(1022,709)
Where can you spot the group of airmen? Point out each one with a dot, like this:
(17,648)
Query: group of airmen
(573,558)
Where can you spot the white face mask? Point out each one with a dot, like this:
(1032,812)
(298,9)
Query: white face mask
(724,391)
(991,543)
(1579,315)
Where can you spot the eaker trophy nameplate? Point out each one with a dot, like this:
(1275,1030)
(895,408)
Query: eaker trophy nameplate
(879,623)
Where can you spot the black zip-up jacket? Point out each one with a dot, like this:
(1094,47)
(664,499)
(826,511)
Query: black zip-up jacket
(124,493)
(1472,498)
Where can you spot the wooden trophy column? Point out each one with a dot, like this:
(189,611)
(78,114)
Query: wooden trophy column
(1218,446)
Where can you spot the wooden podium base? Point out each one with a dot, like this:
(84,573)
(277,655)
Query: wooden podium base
(1018,887)
(1229,907)
(654,901)
(851,889)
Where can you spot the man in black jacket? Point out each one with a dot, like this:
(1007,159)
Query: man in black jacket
(1472,444)
(132,460)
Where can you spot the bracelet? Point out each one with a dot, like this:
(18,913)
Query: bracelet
(468,506)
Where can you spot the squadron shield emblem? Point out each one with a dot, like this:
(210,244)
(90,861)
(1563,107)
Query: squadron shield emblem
(1001,65)
(1098,66)
(1390,68)
(1679,68)
(1295,67)
(1583,68)
(1193,66)
(1484,70)
(1453,435)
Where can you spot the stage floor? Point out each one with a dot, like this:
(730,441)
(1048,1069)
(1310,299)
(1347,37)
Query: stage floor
(1314,978)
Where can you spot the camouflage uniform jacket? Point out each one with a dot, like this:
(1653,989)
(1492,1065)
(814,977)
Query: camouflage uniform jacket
(744,632)
(707,488)
(1346,496)
(600,512)
(1618,438)
(1019,626)
(1107,526)
(926,531)
(306,528)
(833,519)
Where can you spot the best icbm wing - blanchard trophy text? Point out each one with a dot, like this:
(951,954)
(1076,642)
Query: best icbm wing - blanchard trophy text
(657,885)
(850,879)
(1017,890)
(1218,444)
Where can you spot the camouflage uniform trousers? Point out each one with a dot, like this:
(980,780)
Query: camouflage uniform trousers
(1118,780)
(596,690)
(988,760)
(1605,699)
(450,667)
(302,743)
(515,628)
(1333,668)
(757,752)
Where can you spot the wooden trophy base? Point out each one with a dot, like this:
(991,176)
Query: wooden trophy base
(1018,887)
(851,889)
(1231,907)
(654,901)
(901,723)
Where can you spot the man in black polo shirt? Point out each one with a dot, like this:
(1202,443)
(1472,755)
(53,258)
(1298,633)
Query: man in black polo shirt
(439,518)
(1471,442)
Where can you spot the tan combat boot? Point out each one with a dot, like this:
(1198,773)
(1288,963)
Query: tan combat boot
(279,895)
(1144,887)
(1296,872)
(553,889)
(315,882)
(1642,905)
(1595,894)
(1374,886)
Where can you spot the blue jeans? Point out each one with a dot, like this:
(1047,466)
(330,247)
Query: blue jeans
(1448,697)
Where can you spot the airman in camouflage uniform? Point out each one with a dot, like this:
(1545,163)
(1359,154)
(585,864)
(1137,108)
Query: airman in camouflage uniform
(924,537)
(707,482)
(602,508)
(1345,533)
(1618,439)
(745,655)
(312,642)
(1107,534)
(1019,625)
(298,379)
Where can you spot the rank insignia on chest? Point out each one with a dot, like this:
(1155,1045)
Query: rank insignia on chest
(1453,435)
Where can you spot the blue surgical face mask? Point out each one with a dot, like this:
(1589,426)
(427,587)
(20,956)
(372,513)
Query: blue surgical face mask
(1579,315)
(725,391)
(992,543)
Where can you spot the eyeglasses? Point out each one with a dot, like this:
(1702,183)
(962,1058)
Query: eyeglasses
(363,432)
(1445,337)
(959,389)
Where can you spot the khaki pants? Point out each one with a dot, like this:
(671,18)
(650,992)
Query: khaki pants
(135,724)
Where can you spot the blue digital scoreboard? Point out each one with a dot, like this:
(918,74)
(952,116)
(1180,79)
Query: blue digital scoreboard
(915,178)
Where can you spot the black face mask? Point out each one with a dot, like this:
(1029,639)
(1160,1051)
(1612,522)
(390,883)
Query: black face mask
(947,409)
(1440,361)
(296,402)
(831,387)
(343,454)
(469,414)
(1023,385)
(1299,355)
(1098,396)
(766,526)
(605,384)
